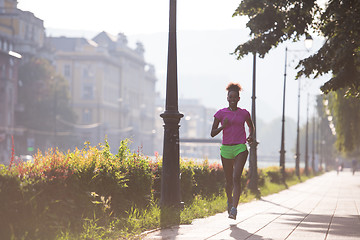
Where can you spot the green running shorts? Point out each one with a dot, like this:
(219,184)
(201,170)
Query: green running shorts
(230,152)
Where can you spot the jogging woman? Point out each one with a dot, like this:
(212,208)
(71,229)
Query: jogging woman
(233,150)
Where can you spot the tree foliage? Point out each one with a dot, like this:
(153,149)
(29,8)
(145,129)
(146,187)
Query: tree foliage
(346,112)
(325,139)
(44,96)
(274,21)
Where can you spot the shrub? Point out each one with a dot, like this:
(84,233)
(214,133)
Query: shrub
(187,181)
(289,173)
(139,180)
(61,192)
(209,179)
(274,174)
(261,177)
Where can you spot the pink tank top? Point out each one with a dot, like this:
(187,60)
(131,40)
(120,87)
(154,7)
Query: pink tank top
(234,133)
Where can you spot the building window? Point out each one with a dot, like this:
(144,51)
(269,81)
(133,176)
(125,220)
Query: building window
(88,91)
(3,71)
(8,119)
(27,32)
(67,72)
(10,111)
(87,74)
(87,116)
(10,73)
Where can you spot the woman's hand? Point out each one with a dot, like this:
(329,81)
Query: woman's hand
(215,127)
(250,124)
(250,139)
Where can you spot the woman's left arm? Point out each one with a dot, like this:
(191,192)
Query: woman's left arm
(250,124)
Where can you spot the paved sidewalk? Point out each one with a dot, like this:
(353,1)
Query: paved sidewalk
(325,207)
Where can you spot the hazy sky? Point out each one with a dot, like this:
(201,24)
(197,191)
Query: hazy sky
(145,17)
(134,16)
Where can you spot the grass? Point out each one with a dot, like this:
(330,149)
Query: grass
(201,208)
(140,221)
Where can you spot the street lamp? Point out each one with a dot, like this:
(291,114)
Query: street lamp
(55,112)
(308,45)
(313,144)
(253,186)
(170,178)
(307,138)
(308,42)
(282,147)
(297,154)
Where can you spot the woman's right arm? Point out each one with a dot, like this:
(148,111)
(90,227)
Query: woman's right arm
(215,127)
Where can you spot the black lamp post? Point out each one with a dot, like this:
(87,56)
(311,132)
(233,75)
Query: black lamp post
(313,145)
(98,116)
(308,45)
(55,112)
(253,184)
(282,147)
(297,154)
(319,142)
(170,178)
(307,139)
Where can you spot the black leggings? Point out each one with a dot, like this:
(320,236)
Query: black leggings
(233,169)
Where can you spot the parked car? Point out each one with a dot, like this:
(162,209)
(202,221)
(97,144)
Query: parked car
(26,158)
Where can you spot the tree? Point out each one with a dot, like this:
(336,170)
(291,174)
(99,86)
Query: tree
(325,138)
(346,113)
(274,21)
(45,97)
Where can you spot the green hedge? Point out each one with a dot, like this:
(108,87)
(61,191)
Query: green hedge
(58,191)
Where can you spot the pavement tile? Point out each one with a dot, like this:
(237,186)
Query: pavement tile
(324,207)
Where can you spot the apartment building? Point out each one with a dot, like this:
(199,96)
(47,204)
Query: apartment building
(27,31)
(112,86)
(9,61)
(21,36)
(112,89)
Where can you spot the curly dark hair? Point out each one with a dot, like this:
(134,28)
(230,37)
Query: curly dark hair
(234,87)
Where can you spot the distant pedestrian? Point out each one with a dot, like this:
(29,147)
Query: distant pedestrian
(338,166)
(354,166)
(233,151)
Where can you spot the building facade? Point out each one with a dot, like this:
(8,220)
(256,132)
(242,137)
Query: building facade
(21,37)
(112,86)
(27,31)
(9,61)
(112,89)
